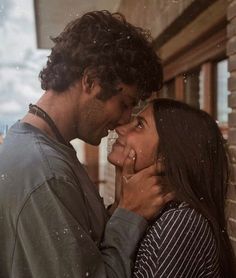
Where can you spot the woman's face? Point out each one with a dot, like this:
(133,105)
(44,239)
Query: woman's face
(141,136)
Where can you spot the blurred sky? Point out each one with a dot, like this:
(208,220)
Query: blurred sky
(20,60)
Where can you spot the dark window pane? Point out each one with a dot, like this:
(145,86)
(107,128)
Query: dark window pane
(191,89)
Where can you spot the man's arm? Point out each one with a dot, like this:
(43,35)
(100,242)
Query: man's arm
(51,243)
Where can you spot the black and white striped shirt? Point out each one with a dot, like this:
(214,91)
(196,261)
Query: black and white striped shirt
(180,243)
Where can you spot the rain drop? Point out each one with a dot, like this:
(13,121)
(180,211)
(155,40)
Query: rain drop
(65,231)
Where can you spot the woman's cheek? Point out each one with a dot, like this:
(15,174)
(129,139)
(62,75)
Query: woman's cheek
(141,159)
(144,159)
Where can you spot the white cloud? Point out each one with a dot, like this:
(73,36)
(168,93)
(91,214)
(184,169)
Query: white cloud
(29,94)
(20,61)
(10,107)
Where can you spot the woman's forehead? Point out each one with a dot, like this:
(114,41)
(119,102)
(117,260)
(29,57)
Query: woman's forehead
(141,109)
(145,113)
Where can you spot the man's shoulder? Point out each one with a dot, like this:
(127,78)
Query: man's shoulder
(28,159)
(33,149)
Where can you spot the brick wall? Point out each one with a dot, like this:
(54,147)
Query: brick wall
(231,52)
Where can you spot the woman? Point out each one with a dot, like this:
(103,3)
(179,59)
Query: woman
(188,238)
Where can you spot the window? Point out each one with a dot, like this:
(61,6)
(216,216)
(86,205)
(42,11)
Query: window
(191,89)
(168,90)
(222,92)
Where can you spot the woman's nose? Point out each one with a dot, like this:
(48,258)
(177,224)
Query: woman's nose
(122,129)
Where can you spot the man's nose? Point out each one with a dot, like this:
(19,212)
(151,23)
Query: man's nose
(126,117)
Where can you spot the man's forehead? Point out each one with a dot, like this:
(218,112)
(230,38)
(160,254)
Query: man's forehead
(132,95)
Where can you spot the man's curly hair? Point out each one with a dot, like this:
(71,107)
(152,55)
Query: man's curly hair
(106,47)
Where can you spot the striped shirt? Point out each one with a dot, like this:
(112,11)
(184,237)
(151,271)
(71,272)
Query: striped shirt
(179,243)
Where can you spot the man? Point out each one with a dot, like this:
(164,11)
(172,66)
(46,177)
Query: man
(53,222)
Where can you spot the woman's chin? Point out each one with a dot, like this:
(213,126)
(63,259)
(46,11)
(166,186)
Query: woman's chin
(114,160)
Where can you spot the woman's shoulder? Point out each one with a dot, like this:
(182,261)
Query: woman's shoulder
(179,213)
(180,240)
(178,218)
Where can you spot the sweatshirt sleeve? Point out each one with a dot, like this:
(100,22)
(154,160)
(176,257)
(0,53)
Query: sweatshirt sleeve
(122,234)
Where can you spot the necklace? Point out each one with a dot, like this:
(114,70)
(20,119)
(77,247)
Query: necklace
(39,112)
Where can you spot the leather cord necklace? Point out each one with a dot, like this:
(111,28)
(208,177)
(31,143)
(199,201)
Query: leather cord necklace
(39,112)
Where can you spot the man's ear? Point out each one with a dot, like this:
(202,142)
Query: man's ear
(87,83)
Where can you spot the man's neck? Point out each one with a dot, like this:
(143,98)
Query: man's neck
(60,109)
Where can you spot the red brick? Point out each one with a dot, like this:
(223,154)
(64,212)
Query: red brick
(232,135)
(231,11)
(232,227)
(231,28)
(231,209)
(232,100)
(232,81)
(232,62)
(232,120)
(233,242)
(233,174)
(231,194)
(231,46)
(232,154)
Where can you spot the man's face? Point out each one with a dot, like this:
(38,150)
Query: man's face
(98,116)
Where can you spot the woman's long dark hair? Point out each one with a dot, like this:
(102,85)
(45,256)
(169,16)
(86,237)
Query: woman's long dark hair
(196,166)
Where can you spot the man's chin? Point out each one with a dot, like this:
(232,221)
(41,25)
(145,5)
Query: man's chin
(95,142)
(91,141)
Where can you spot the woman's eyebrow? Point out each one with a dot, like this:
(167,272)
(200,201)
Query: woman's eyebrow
(140,118)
